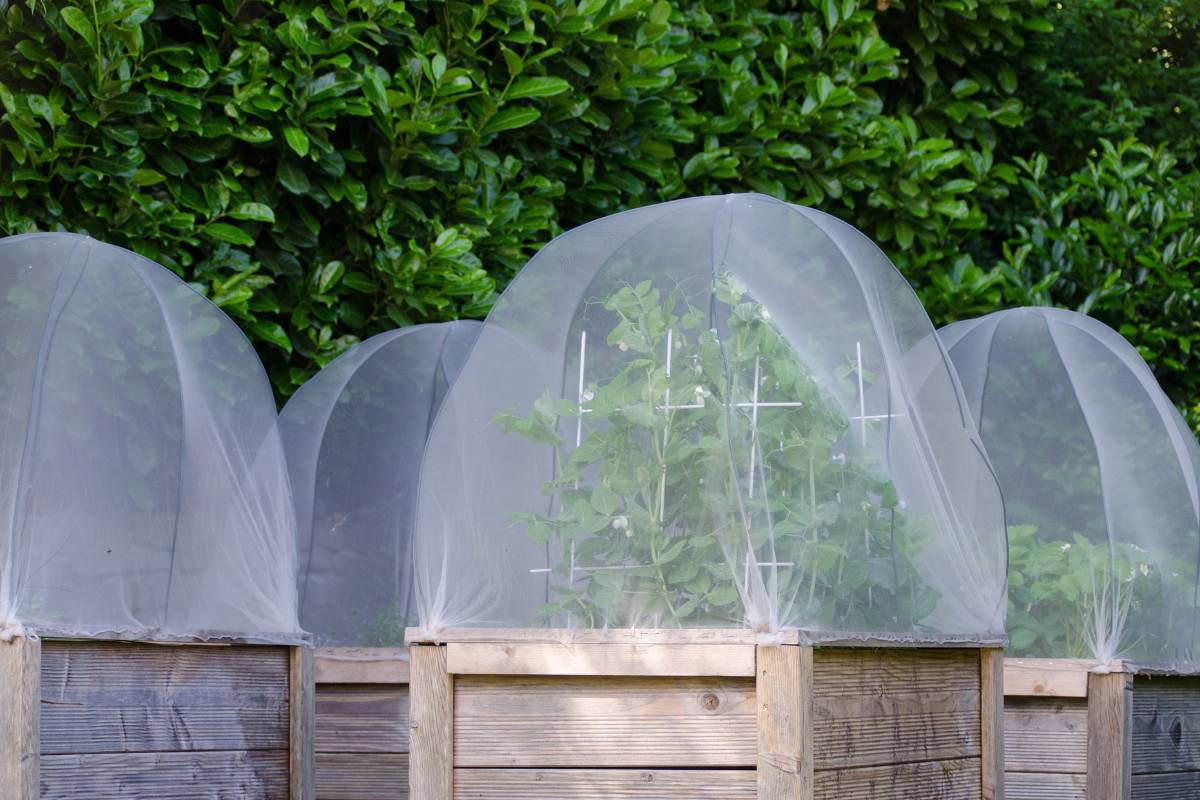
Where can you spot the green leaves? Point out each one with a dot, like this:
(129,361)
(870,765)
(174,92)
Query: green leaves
(223,232)
(537,87)
(80,23)
(510,119)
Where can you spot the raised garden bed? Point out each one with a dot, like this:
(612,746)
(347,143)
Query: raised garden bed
(699,715)
(1073,733)
(104,719)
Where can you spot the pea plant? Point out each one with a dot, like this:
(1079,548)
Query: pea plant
(710,478)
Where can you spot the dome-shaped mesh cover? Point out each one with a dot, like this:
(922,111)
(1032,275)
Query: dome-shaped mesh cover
(354,436)
(1099,476)
(143,492)
(706,413)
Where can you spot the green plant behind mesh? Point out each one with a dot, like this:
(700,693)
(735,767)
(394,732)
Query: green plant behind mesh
(653,513)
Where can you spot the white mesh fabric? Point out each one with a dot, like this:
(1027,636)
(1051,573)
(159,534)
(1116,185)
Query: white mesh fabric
(721,411)
(143,492)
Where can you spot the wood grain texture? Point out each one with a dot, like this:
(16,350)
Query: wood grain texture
(596,636)
(783,691)
(991,720)
(110,697)
(603,784)
(510,721)
(362,718)
(1046,677)
(1046,735)
(879,707)
(20,718)
(431,717)
(953,779)
(1166,786)
(362,776)
(361,665)
(1044,786)
(1166,724)
(627,660)
(1110,727)
(301,723)
(258,775)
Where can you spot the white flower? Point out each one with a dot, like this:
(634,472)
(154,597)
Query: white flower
(1065,546)
(622,346)
(1144,569)
(839,458)
(678,343)
(620,523)
(766,314)
(588,396)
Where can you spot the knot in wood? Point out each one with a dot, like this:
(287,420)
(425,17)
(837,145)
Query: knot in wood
(710,702)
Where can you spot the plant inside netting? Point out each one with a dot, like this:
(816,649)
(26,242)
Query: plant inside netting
(720,411)
(1101,486)
(650,502)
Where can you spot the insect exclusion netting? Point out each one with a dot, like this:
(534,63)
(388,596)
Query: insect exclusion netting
(701,413)
(1099,476)
(143,489)
(354,436)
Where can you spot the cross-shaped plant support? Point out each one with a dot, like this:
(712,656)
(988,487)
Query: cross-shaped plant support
(754,405)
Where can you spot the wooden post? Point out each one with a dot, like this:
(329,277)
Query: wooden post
(301,723)
(431,711)
(991,717)
(20,718)
(1110,734)
(784,680)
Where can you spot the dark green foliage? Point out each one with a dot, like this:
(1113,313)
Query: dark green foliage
(324,171)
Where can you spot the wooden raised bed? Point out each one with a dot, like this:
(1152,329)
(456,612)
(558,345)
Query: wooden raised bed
(1071,733)
(362,726)
(108,720)
(699,715)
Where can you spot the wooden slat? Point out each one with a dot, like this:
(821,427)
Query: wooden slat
(783,691)
(362,718)
(301,722)
(1046,734)
(879,707)
(431,724)
(1166,724)
(954,779)
(361,665)
(505,721)
(1046,677)
(1110,726)
(603,784)
(596,636)
(259,775)
(104,697)
(1044,786)
(1166,786)
(991,718)
(20,669)
(626,660)
(362,776)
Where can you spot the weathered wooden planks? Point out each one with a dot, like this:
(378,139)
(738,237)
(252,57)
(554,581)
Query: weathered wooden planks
(877,707)
(991,720)
(431,722)
(952,779)
(542,658)
(508,721)
(1044,786)
(20,719)
(1166,786)
(253,775)
(784,690)
(135,720)
(1046,677)
(1110,728)
(112,697)
(361,665)
(362,776)
(606,784)
(1046,735)
(301,719)
(1166,724)
(363,727)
